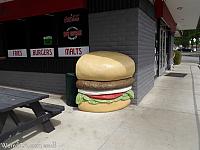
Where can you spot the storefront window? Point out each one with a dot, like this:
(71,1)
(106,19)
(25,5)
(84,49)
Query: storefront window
(15,35)
(162,47)
(42,31)
(2,49)
(73,28)
(49,43)
(15,38)
(42,36)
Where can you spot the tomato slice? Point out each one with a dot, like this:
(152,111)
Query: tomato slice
(106,96)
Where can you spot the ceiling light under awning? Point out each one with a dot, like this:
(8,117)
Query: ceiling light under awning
(179,8)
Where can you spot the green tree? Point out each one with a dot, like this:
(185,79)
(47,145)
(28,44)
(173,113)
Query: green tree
(187,36)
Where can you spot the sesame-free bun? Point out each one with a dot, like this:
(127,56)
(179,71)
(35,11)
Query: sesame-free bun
(100,108)
(105,66)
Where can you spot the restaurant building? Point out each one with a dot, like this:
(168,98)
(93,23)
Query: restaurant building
(41,41)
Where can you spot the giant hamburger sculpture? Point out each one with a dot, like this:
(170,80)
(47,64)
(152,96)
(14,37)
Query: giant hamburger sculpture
(105,81)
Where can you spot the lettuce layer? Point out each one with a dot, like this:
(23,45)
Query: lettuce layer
(84,98)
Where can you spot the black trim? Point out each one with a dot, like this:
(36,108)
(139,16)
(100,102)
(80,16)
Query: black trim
(158,46)
(198,25)
(96,6)
(168,49)
(148,8)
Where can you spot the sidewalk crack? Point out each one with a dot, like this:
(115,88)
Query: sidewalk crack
(109,136)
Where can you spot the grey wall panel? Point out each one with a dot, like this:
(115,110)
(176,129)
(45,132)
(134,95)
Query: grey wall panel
(47,82)
(146,41)
(129,31)
(115,31)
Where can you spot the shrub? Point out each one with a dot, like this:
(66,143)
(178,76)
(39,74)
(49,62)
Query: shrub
(177,57)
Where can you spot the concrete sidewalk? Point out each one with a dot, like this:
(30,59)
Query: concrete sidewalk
(166,119)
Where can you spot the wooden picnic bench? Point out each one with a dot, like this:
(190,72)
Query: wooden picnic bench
(11,99)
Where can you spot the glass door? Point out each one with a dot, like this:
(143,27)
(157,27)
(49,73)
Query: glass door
(156,58)
(163,55)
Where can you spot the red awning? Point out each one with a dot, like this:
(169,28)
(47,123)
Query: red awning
(26,8)
(163,12)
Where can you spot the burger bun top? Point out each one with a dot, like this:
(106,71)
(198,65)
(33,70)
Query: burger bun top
(104,66)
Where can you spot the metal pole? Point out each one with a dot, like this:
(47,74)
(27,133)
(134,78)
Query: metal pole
(199,59)
(199,62)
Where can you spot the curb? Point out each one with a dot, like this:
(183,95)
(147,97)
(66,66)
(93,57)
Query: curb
(55,96)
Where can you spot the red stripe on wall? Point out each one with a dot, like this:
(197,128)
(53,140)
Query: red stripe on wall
(26,8)
(158,8)
(167,16)
(163,12)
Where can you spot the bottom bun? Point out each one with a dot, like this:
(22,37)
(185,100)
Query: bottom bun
(85,106)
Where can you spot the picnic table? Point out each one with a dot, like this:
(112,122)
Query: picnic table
(11,99)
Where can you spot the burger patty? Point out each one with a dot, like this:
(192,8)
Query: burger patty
(105,85)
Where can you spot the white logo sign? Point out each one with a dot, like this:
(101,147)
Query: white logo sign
(17,53)
(42,52)
(72,51)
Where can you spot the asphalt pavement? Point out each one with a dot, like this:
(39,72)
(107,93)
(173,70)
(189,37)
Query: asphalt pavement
(191,59)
